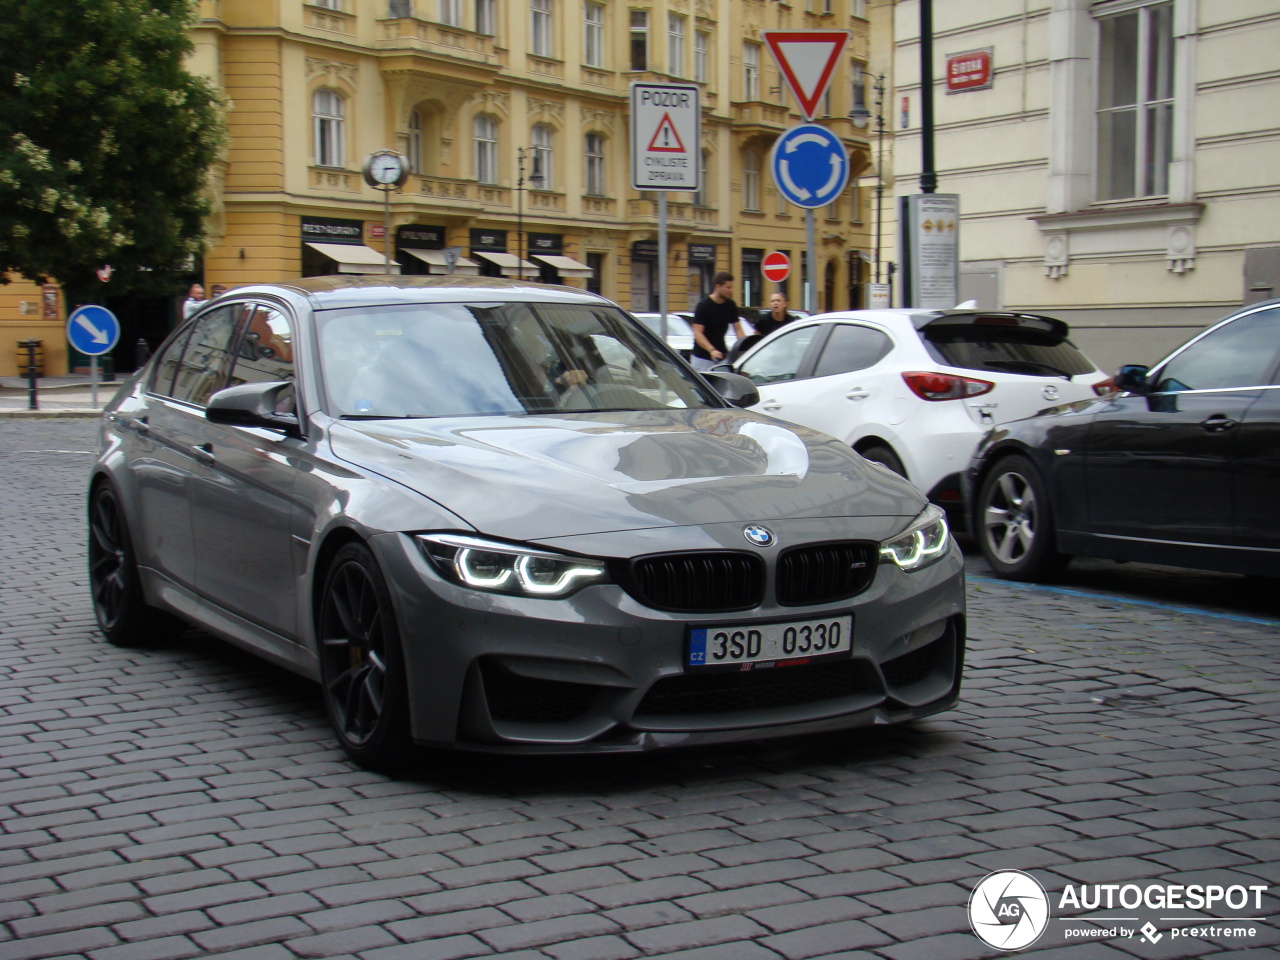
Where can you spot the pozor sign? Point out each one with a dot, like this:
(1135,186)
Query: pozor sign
(666,136)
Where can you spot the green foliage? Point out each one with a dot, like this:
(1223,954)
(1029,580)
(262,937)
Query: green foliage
(105,141)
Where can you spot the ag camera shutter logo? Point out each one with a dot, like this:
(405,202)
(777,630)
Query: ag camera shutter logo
(1009,910)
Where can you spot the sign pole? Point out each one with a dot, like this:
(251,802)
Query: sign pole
(386,237)
(811,259)
(93,380)
(662,261)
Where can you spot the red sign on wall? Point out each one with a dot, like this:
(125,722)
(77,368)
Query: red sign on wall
(970,70)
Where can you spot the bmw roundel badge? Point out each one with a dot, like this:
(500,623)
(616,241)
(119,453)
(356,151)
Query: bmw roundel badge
(760,536)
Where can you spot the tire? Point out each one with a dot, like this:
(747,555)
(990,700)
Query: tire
(885,457)
(1014,523)
(123,615)
(362,663)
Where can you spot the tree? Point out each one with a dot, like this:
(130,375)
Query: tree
(106,141)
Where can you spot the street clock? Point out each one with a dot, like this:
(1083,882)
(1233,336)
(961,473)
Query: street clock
(386,169)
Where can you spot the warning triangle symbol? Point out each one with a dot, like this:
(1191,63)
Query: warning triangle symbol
(666,139)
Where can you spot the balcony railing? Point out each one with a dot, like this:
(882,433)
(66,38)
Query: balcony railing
(426,36)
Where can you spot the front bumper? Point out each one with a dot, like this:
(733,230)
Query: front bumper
(598,671)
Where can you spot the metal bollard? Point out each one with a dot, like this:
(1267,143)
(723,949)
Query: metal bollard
(141,353)
(33,372)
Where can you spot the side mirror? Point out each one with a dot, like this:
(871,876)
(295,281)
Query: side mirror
(738,390)
(256,405)
(1132,378)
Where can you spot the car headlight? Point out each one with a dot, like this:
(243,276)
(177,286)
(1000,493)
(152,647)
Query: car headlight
(503,568)
(925,541)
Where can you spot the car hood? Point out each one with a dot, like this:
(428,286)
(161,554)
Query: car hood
(529,478)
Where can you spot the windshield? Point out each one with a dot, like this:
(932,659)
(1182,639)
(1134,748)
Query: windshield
(456,359)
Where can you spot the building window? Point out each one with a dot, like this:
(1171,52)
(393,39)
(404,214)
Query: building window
(701,53)
(675,45)
(639,40)
(750,71)
(858,8)
(486,17)
(413,143)
(486,139)
(1135,103)
(328,4)
(702,197)
(399,9)
(595,165)
(449,12)
(540,28)
(327,109)
(593,34)
(751,180)
(540,158)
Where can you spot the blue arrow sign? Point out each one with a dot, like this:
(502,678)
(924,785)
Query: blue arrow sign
(809,165)
(93,330)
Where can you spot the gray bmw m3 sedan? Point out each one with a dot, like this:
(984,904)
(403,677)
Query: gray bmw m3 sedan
(501,516)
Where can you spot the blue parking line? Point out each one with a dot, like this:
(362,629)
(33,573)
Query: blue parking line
(1068,592)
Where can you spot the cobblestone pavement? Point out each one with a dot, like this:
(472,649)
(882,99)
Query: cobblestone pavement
(189,801)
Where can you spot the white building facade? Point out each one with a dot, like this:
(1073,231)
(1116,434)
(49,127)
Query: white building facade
(1119,167)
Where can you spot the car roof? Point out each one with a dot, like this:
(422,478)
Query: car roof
(922,318)
(338,291)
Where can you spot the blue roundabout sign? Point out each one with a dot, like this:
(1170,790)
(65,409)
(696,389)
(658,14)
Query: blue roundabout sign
(810,165)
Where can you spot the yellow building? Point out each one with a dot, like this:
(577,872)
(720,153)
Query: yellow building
(514,119)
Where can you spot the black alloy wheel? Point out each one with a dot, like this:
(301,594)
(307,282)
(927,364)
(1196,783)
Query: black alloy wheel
(885,457)
(361,663)
(118,602)
(1015,523)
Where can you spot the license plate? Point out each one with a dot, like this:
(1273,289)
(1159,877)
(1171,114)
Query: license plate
(750,643)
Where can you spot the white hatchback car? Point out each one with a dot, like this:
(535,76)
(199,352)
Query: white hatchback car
(916,389)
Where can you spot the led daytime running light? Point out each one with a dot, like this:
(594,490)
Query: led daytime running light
(502,568)
(926,542)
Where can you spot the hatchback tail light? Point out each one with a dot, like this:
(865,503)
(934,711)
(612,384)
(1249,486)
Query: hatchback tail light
(945,386)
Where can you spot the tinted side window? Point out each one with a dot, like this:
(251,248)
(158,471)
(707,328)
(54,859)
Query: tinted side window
(781,359)
(207,358)
(1240,354)
(851,348)
(168,363)
(265,351)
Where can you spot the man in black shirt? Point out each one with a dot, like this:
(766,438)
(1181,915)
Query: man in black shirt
(712,318)
(775,316)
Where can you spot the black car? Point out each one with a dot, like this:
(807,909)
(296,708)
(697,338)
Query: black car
(1181,467)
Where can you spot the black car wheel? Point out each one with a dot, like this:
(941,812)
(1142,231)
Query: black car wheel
(122,612)
(1015,523)
(361,662)
(885,457)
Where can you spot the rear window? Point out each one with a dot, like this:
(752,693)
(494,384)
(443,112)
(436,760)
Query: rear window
(1005,344)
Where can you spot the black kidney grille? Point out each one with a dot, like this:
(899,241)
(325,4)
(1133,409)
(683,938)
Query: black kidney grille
(825,572)
(693,694)
(911,667)
(698,582)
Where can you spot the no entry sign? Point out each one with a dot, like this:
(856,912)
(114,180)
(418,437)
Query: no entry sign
(776,266)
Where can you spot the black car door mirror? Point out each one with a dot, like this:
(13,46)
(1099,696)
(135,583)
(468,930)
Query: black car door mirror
(1132,378)
(738,390)
(269,405)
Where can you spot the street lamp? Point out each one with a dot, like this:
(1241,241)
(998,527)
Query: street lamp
(860,117)
(535,179)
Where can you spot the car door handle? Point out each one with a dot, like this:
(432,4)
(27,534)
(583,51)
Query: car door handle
(1217,424)
(771,405)
(203,452)
(857,393)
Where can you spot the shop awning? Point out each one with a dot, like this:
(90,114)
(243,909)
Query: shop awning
(354,257)
(508,263)
(565,266)
(436,260)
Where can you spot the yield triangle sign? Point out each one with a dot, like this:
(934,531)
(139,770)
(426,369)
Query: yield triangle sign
(666,139)
(807,60)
